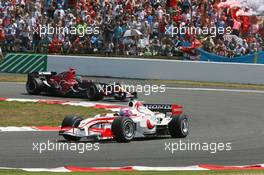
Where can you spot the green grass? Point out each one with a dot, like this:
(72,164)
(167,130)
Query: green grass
(9,77)
(40,114)
(19,172)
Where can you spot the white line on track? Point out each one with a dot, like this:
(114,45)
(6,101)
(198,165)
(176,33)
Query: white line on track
(189,89)
(217,90)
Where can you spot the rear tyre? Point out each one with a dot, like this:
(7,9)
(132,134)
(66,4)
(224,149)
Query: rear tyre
(179,126)
(34,86)
(71,122)
(121,96)
(123,129)
(93,93)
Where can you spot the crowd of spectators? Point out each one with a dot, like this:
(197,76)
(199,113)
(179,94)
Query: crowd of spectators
(22,22)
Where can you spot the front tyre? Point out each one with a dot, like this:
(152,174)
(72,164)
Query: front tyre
(121,96)
(123,129)
(179,126)
(71,122)
(135,96)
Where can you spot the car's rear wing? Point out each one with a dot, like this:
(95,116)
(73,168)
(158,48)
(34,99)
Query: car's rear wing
(40,74)
(165,108)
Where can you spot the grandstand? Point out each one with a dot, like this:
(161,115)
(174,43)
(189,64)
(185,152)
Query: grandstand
(130,28)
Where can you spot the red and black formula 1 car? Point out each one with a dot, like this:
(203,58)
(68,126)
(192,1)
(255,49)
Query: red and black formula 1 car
(68,84)
(137,120)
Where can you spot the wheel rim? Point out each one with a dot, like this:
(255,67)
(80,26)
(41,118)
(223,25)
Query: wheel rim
(31,85)
(185,126)
(128,130)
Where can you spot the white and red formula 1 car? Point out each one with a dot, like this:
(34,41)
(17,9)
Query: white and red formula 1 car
(137,120)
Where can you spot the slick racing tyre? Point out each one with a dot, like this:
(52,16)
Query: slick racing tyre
(71,122)
(93,93)
(123,129)
(179,126)
(120,96)
(135,95)
(34,86)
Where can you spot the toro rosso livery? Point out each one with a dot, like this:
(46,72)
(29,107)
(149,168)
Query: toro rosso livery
(134,121)
(67,83)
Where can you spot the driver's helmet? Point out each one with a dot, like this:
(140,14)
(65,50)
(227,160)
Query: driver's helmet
(72,70)
(125,112)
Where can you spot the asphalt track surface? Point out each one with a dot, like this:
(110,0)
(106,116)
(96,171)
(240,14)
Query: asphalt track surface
(225,117)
